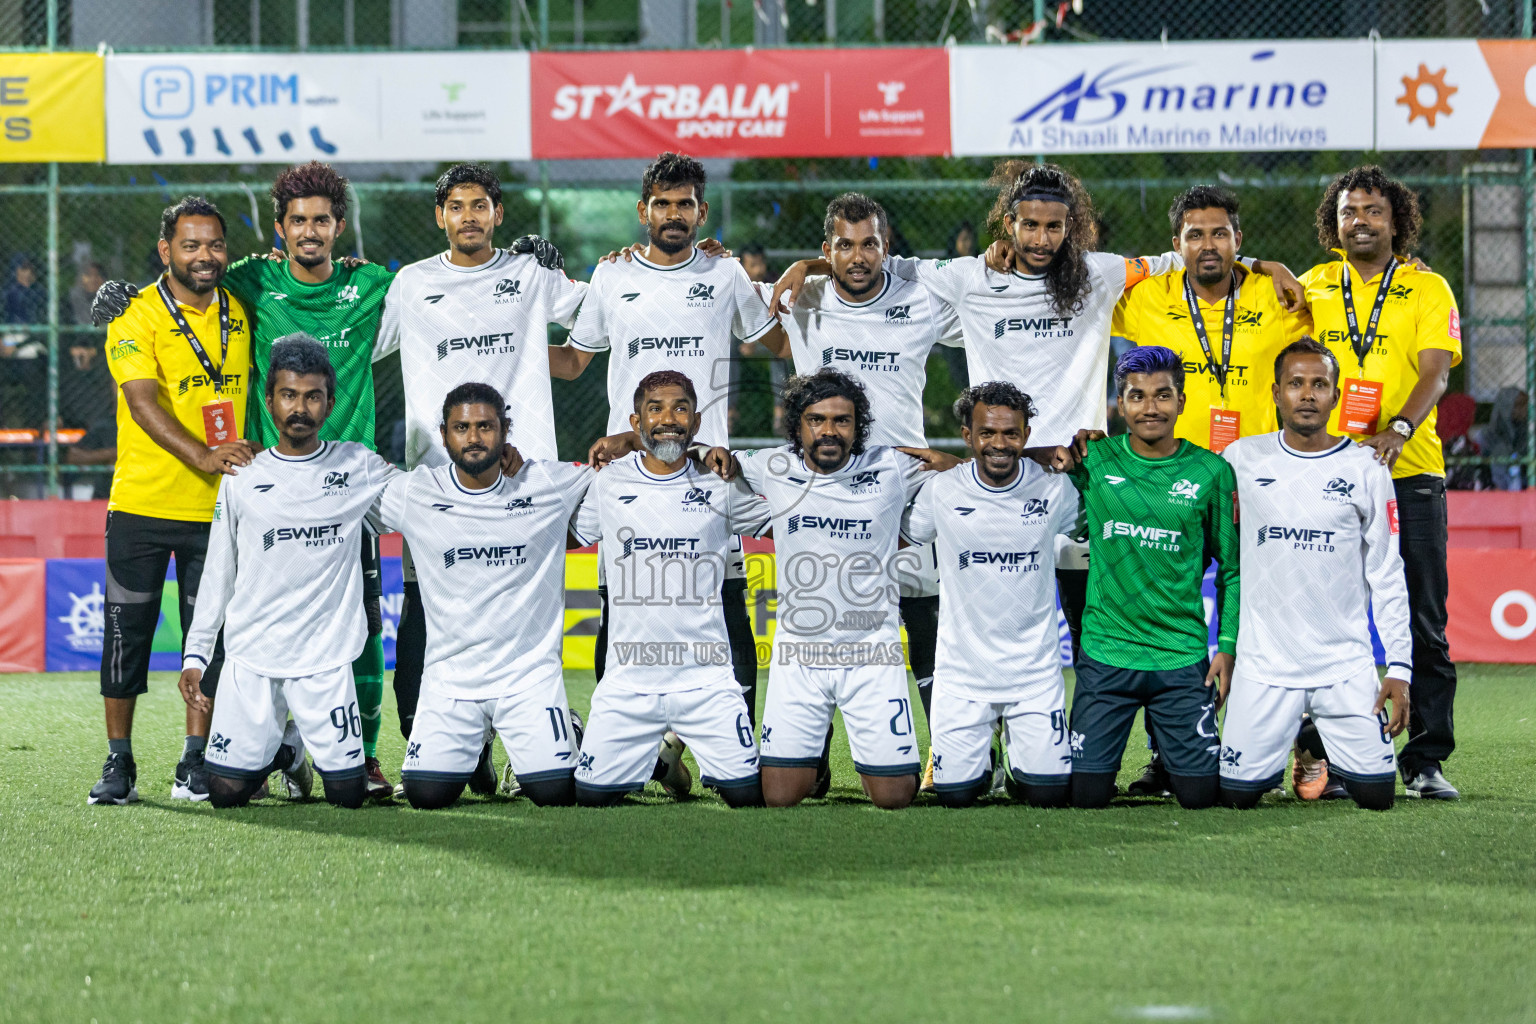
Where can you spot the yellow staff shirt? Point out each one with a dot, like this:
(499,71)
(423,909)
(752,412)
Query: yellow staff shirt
(1419,313)
(145,344)
(1156,313)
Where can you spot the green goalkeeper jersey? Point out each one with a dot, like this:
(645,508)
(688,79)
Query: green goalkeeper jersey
(1153,527)
(342,313)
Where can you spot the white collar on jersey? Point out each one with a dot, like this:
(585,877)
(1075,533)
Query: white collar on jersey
(1024,465)
(884,287)
(656,266)
(1344,443)
(324,446)
(499,260)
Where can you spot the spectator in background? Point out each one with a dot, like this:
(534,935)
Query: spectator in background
(26,300)
(1504,437)
(23,374)
(754,260)
(83,291)
(1453,422)
(962,243)
(88,401)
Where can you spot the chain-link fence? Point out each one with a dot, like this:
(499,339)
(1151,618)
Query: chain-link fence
(101,221)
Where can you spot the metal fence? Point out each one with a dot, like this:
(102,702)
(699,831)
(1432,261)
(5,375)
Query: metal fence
(58,223)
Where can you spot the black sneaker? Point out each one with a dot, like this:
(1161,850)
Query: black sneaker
(191,778)
(1335,790)
(1427,784)
(1153,781)
(118,785)
(483,782)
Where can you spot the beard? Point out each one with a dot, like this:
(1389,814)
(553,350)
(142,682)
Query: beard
(828,459)
(985,467)
(309,261)
(869,284)
(668,448)
(669,247)
(475,462)
(1212,278)
(183,276)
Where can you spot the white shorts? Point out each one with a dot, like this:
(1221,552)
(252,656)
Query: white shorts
(448,734)
(1039,752)
(917,570)
(618,751)
(877,713)
(1261,727)
(252,711)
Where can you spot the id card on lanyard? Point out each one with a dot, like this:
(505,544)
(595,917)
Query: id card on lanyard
(1360,408)
(1226,424)
(219,424)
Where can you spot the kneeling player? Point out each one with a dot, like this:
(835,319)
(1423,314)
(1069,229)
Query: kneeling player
(285,534)
(1159,509)
(666,532)
(996,520)
(1319,546)
(490,560)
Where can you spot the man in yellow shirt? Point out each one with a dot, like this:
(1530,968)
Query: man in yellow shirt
(181,358)
(1226,323)
(1396,332)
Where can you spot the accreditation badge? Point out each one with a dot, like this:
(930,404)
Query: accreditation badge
(1226,427)
(1361,406)
(219,425)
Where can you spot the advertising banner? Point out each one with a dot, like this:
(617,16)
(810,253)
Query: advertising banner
(286,108)
(1455,94)
(741,103)
(51,108)
(22,585)
(1146,97)
(1492,606)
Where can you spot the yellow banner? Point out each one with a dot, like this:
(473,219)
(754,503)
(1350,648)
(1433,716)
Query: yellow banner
(52,107)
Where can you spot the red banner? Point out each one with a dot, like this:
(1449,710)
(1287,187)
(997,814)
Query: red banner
(1492,606)
(22,589)
(741,103)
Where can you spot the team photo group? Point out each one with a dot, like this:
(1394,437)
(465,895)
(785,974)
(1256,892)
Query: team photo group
(1279,430)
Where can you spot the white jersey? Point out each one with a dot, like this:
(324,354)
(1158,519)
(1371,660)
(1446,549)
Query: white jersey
(489,324)
(883,342)
(1319,548)
(666,542)
(285,537)
(491,565)
(1012,333)
(997,577)
(686,318)
(836,536)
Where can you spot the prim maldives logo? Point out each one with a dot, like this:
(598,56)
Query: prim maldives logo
(700,111)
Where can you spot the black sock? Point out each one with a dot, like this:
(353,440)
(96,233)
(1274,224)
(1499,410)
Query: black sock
(122,746)
(1194,792)
(1373,796)
(1092,790)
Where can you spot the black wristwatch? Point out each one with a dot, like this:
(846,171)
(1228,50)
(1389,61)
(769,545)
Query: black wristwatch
(1402,425)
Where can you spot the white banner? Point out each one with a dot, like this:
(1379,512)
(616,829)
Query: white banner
(1455,93)
(283,108)
(1146,97)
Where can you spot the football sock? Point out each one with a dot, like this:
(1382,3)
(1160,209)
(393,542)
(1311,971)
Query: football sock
(1373,796)
(1240,799)
(122,746)
(1194,791)
(347,792)
(193,745)
(368,674)
(1092,789)
(966,795)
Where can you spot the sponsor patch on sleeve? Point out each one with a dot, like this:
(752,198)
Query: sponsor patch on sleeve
(1392,514)
(1454,326)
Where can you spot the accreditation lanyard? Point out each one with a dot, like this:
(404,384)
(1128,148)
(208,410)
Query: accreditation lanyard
(215,373)
(1228,319)
(1362,343)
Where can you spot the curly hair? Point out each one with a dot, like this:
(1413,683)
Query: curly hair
(665,379)
(993,392)
(469,174)
(1067,274)
(1202,197)
(305,180)
(1150,359)
(673,170)
(1406,218)
(300,353)
(804,390)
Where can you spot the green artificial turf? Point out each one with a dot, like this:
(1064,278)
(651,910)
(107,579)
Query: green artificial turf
(834,911)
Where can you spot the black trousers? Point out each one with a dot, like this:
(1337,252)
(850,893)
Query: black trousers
(1421,515)
(139,548)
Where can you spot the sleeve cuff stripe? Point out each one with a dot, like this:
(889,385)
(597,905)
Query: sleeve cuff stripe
(587,348)
(765,329)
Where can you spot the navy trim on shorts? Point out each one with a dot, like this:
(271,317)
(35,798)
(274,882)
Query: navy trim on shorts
(790,762)
(357,772)
(1390,776)
(244,774)
(436,776)
(888,771)
(1040,780)
(1256,785)
(593,788)
(954,787)
(741,783)
(553,773)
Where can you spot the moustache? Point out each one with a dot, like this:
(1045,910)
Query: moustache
(298,419)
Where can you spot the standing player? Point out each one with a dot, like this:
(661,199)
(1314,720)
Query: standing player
(474,312)
(286,537)
(181,359)
(996,520)
(1159,510)
(837,504)
(1320,534)
(491,565)
(669,306)
(1226,324)
(878,328)
(667,534)
(1396,332)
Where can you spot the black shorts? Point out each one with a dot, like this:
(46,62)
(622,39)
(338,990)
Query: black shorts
(1181,711)
(139,548)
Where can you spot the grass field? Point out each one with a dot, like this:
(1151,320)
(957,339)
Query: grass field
(165,912)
